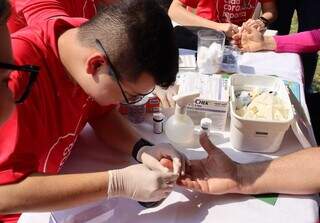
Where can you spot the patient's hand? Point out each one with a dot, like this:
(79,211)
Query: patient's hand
(217,174)
(251,40)
(256,24)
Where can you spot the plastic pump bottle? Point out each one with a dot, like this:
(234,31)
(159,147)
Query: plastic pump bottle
(179,127)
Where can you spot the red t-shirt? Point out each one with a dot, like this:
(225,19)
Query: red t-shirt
(41,132)
(239,11)
(29,11)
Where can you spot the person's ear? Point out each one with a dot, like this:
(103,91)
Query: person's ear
(93,63)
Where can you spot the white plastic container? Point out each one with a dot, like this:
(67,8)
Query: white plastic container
(210,51)
(258,135)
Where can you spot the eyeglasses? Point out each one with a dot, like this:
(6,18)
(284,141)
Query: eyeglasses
(132,99)
(33,70)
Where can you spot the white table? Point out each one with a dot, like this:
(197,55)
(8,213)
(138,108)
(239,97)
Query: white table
(185,206)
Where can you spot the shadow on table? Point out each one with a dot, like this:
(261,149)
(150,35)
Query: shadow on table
(91,155)
(247,69)
(194,208)
(219,138)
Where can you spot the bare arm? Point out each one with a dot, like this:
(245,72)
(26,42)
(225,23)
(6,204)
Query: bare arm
(55,192)
(297,173)
(181,15)
(52,192)
(115,131)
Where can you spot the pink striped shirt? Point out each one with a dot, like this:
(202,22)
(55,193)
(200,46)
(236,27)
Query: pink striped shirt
(308,41)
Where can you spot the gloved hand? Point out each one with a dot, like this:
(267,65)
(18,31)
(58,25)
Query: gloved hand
(151,156)
(139,183)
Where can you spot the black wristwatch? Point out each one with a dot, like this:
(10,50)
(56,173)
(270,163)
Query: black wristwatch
(139,144)
(265,21)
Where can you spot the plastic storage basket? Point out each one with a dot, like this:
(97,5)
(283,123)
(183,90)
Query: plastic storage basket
(258,135)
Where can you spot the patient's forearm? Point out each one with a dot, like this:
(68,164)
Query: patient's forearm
(297,173)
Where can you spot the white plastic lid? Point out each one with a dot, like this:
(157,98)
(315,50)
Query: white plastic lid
(205,123)
(158,116)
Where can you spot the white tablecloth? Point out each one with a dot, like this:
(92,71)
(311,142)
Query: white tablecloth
(182,205)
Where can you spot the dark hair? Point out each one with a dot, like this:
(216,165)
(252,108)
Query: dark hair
(4,11)
(165,4)
(138,36)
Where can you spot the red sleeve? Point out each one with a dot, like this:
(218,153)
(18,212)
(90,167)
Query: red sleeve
(190,3)
(34,11)
(24,53)
(17,157)
(16,21)
(39,10)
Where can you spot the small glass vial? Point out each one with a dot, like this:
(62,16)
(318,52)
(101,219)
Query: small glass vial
(205,126)
(158,123)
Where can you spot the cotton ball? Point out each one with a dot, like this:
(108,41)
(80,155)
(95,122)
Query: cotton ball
(209,58)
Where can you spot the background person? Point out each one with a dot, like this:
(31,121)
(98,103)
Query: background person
(222,15)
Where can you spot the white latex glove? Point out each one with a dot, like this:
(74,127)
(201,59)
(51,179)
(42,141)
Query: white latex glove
(151,156)
(139,183)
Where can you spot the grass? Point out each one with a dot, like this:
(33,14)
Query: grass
(316,80)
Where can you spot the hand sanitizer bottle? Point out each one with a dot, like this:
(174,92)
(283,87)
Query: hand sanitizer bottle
(179,127)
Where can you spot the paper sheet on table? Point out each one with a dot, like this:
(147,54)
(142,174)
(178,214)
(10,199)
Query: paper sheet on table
(117,210)
(263,63)
(181,206)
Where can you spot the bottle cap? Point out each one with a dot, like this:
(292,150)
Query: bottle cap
(158,116)
(205,123)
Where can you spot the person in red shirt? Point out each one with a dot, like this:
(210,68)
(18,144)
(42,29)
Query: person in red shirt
(26,12)
(85,68)
(224,15)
